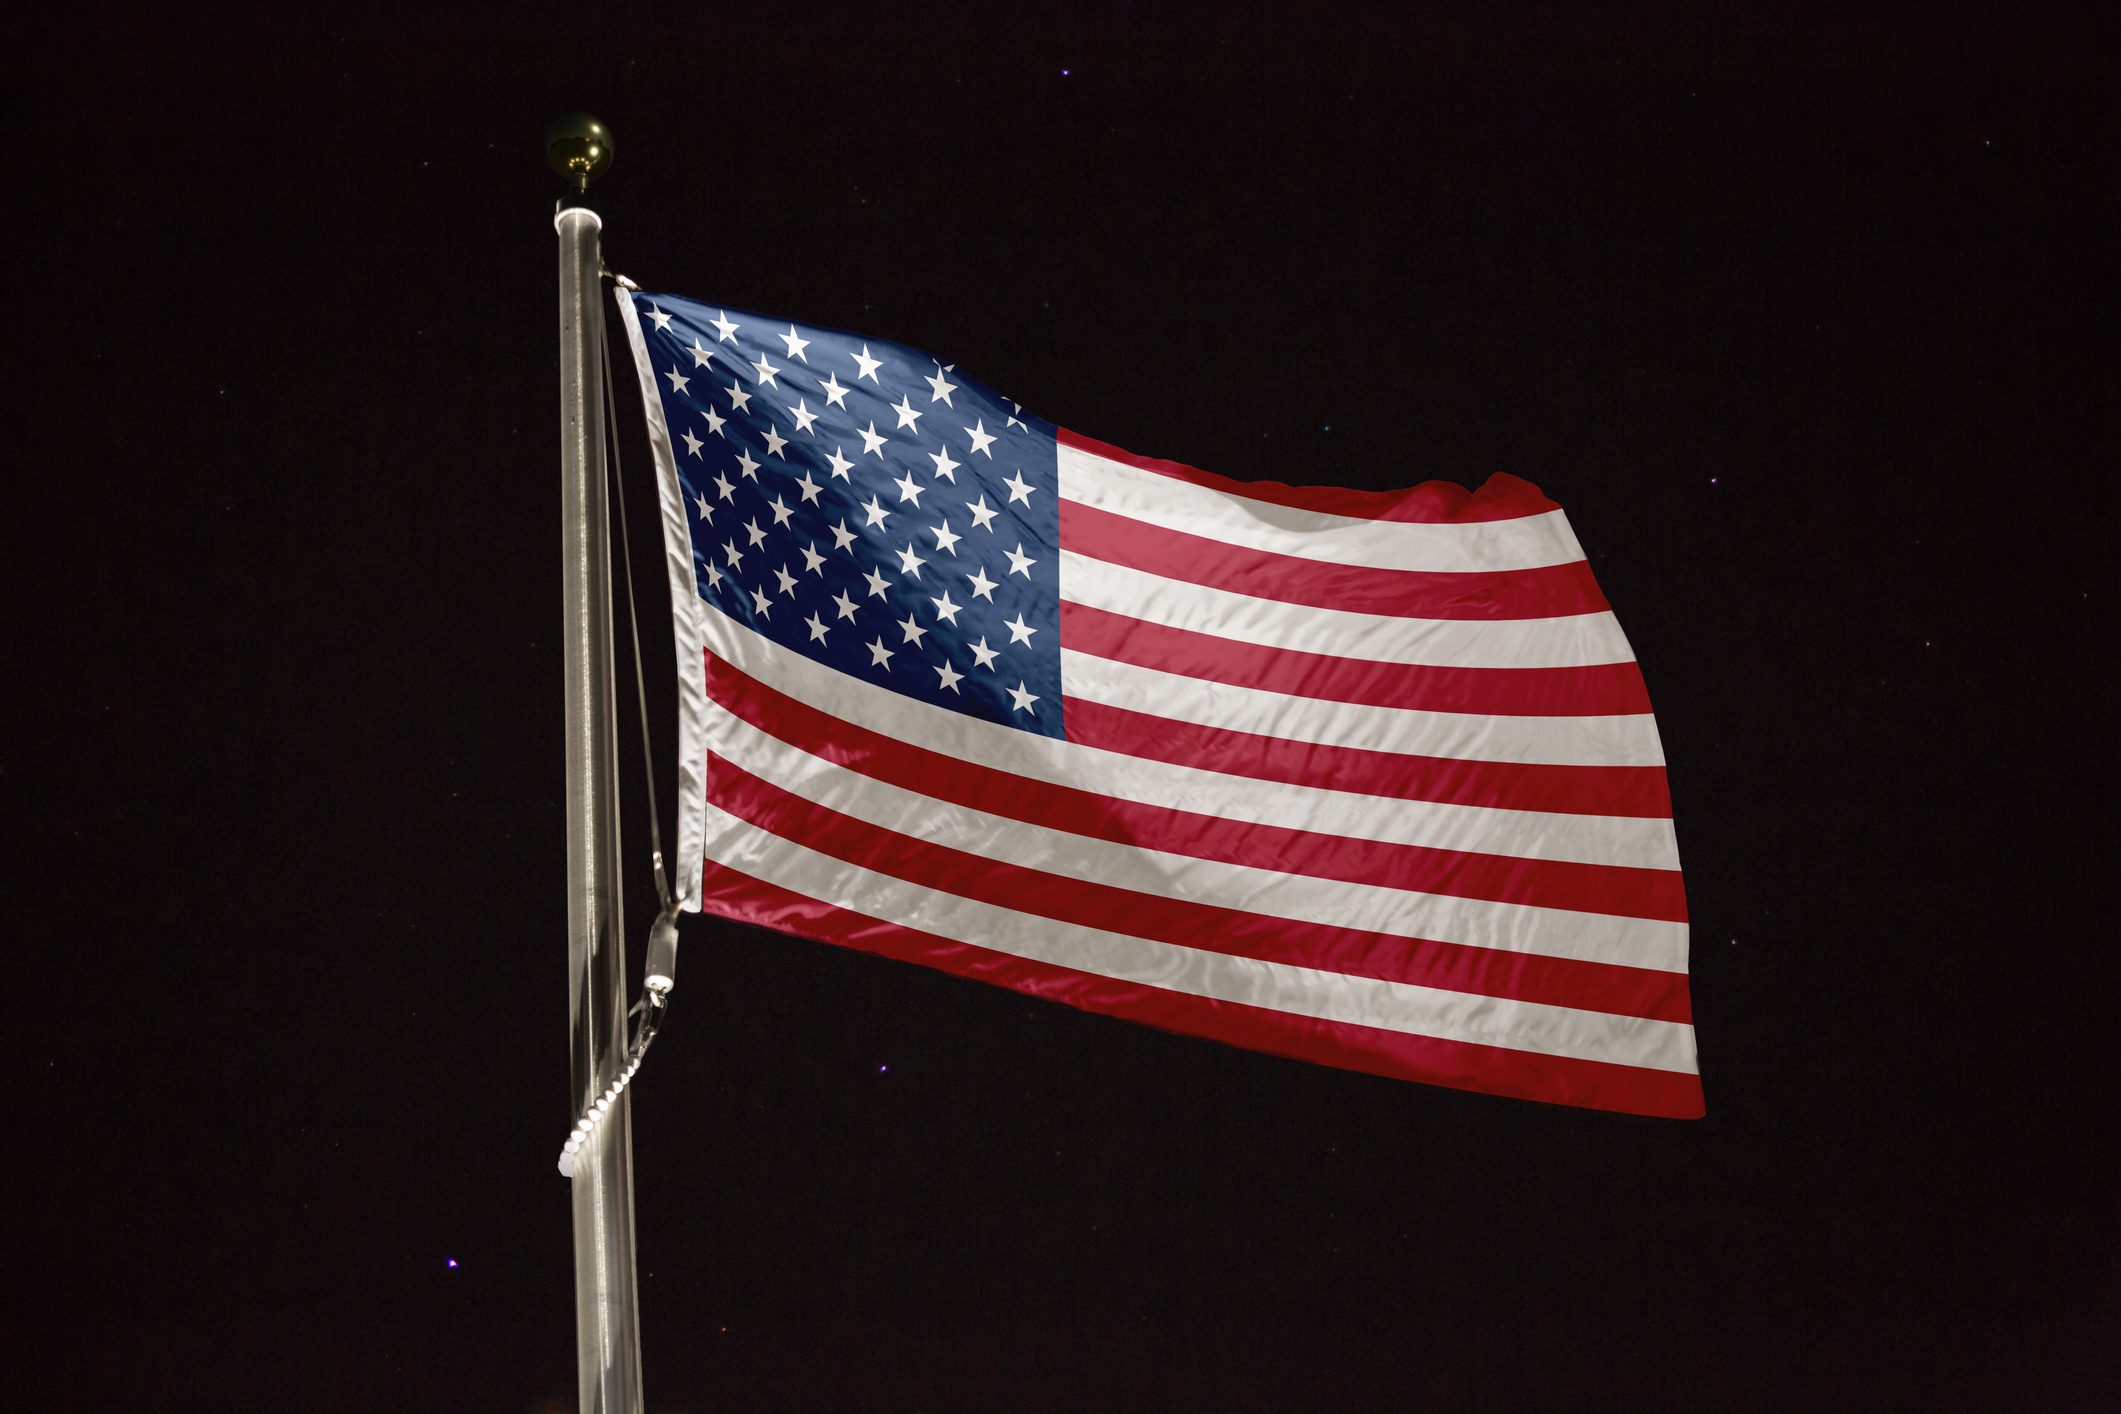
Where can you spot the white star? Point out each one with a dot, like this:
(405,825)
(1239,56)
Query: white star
(878,585)
(846,606)
(835,395)
(728,330)
(909,489)
(809,488)
(842,537)
(760,605)
(677,380)
(910,563)
(983,656)
(774,441)
(817,628)
(951,676)
(981,514)
(662,320)
(946,539)
(1016,407)
(706,511)
(1020,700)
(1019,631)
(982,439)
(796,343)
(813,562)
(766,372)
(751,528)
(803,415)
(1019,489)
(785,580)
(938,390)
(945,609)
(873,440)
(781,511)
(714,576)
(878,653)
(692,443)
(868,367)
(746,465)
(907,416)
(738,398)
(1020,563)
(734,555)
(982,587)
(914,632)
(724,487)
(945,468)
(714,423)
(840,465)
(874,509)
(700,355)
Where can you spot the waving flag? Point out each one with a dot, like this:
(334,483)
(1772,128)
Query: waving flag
(1368,779)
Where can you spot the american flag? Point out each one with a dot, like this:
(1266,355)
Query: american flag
(1367,779)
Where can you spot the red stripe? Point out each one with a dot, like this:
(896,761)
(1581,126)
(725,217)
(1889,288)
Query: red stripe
(1635,791)
(1550,592)
(1601,690)
(1544,883)
(1460,1065)
(1565,982)
(1502,497)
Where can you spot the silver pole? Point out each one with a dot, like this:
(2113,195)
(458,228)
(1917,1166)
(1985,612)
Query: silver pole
(607,1327)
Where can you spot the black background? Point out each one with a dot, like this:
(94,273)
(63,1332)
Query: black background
(1793,310)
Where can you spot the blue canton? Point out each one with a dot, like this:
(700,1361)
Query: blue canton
(867,506)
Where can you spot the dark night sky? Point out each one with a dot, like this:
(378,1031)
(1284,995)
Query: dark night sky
(1795,315)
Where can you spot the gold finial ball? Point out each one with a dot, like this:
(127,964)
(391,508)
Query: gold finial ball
(579,149)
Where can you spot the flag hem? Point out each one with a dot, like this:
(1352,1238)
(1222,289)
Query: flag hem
(686,625)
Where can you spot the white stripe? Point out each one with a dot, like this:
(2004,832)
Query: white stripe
(1461,736)
(686,616)
(1302,991)
(1376,908)
(1525,543)
(1523,834)
(1578,640)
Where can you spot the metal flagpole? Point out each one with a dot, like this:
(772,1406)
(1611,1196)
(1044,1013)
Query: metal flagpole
(607,1328)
